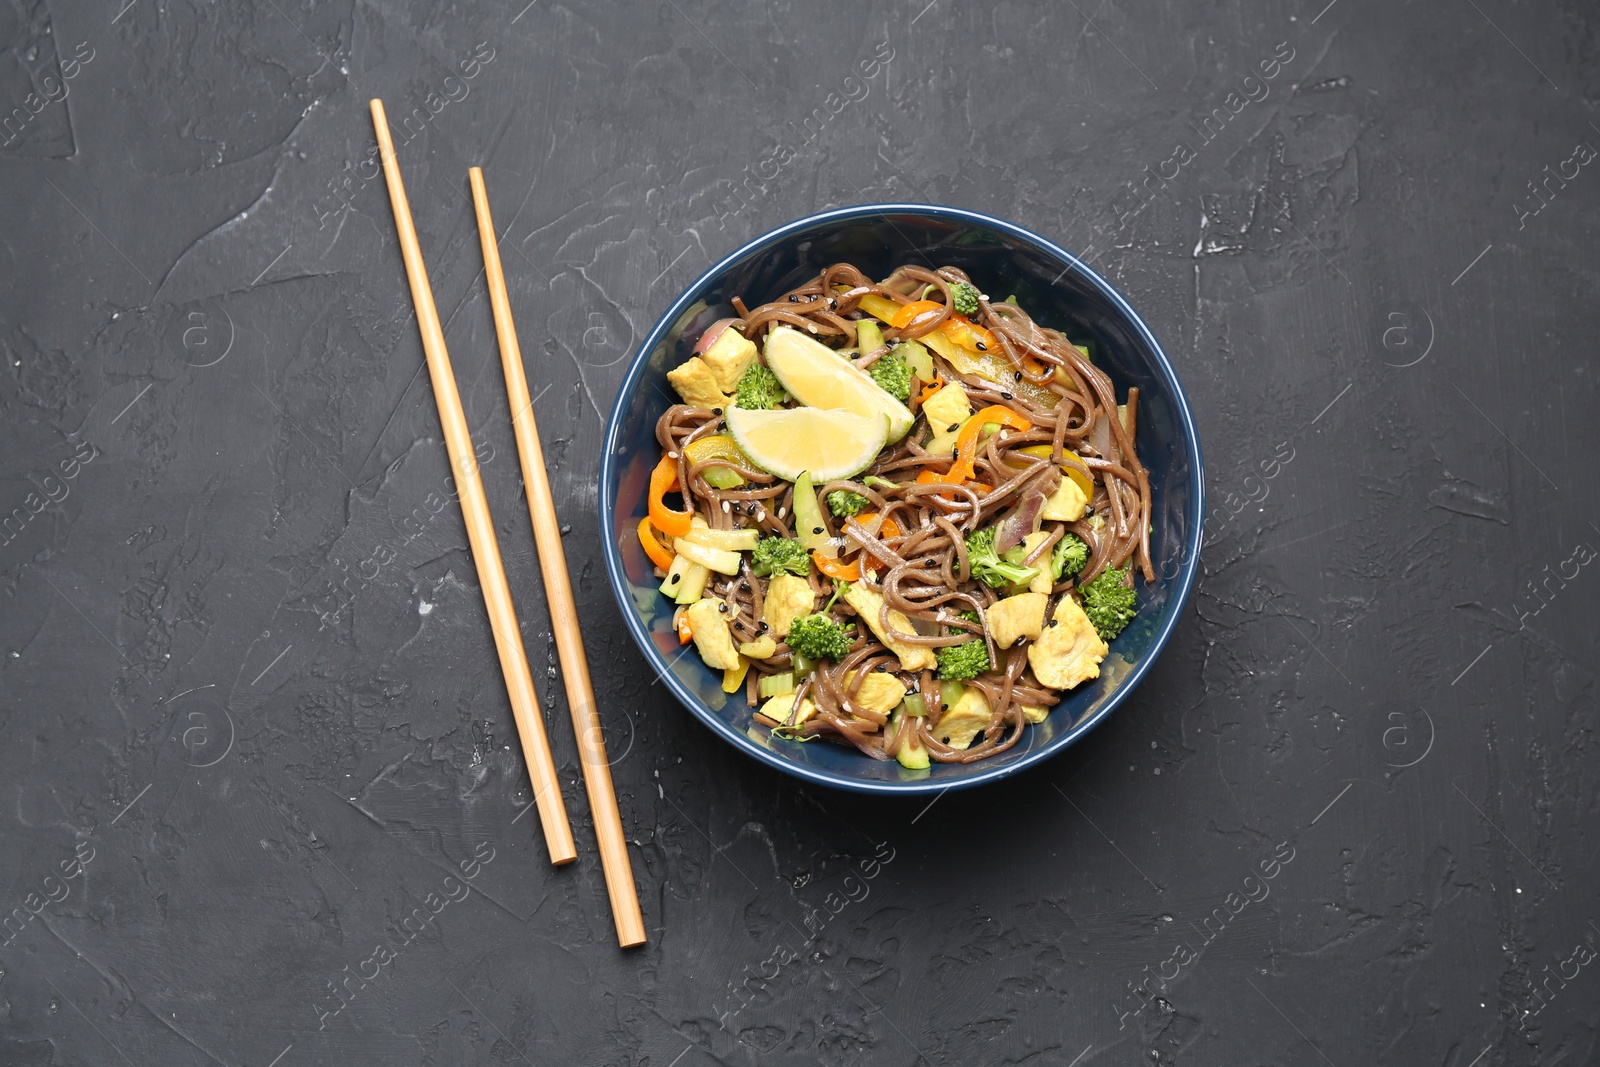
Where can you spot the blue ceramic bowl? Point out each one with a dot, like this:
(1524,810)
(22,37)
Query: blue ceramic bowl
(1057,290)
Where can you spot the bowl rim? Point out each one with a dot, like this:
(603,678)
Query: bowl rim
(608,483)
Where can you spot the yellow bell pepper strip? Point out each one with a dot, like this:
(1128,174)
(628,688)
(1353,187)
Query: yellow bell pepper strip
(1071,466)
(663,480)
(658,553)
(845,572)
(967,439)
(715,447)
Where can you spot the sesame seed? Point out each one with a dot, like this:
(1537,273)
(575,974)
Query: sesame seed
(762,628)
(722,608)
(1017,376)
(674,579)
(744,587)
(816,529)
(726,507)
(982,347)
(716,411)
(954,426)
(672,455)
(794,298)
(782,511)
(1005,396)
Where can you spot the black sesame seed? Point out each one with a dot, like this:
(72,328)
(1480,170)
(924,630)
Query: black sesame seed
(954,426)
(1053,622)
(1017,376)
(832,302)
(722,608)
(744,587)
(931,562)
(816,529)
(763,628)
(675,578)
(982,347)
(794,298)
(1005,396)
(716,411)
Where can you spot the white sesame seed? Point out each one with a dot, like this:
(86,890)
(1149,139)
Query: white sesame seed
(725,507)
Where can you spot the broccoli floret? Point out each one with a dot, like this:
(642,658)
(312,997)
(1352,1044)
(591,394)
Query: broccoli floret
(846,502)
(1071,553)
(780,555)
(970,616)
(957,663)
(1109,602)
(818,637)
(759,389)
(964,298)
(986,565)
(893,375)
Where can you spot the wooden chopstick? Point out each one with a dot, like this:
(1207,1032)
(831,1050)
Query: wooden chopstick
(558,594)
(480,528)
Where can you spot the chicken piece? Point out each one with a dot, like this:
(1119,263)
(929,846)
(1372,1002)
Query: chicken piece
(1016,616)
(708,623)
(697,383)
(947,409)
(775,712)
(729,356)
(867,605)
(788,598)
(879,692)
(1068,651)
(762,647)
(1035,715)
(1066,504)
(966,717)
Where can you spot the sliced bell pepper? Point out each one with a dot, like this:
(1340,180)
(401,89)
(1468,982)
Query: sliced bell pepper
(658,553)
(845,572)
(1070,466)
(718,446)
(663,480)
(928,391)
(967,439)
(685,633)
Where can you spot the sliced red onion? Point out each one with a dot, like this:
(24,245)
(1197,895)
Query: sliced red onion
(1021,521)
(713,332)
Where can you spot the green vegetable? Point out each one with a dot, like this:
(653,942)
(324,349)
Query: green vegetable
(803,666)
(1109,602)
(792,733)
(818,637)
(986,565)
(950,694)
(759,389)
(686,580)
(880,483)
(964,298)
(780,555)
(869,337)
(917,356)
(911,754)
(775,685)
(1069,556)
(808,525)
(915,705)
(893,375)
(971,616)
(957,663)
(845,502)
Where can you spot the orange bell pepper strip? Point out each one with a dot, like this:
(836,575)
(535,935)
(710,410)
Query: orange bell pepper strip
(685,633)
(967,439)
(928,391)
(957,327)
(653,547)
(845,572)
(663,480)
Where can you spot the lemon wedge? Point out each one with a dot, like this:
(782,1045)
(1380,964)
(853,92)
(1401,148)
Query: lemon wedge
(816,375)
(790,441)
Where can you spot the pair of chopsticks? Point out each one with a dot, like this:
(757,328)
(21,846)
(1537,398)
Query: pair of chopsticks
(491,572)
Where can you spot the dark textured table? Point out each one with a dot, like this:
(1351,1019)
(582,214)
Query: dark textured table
(261,786)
